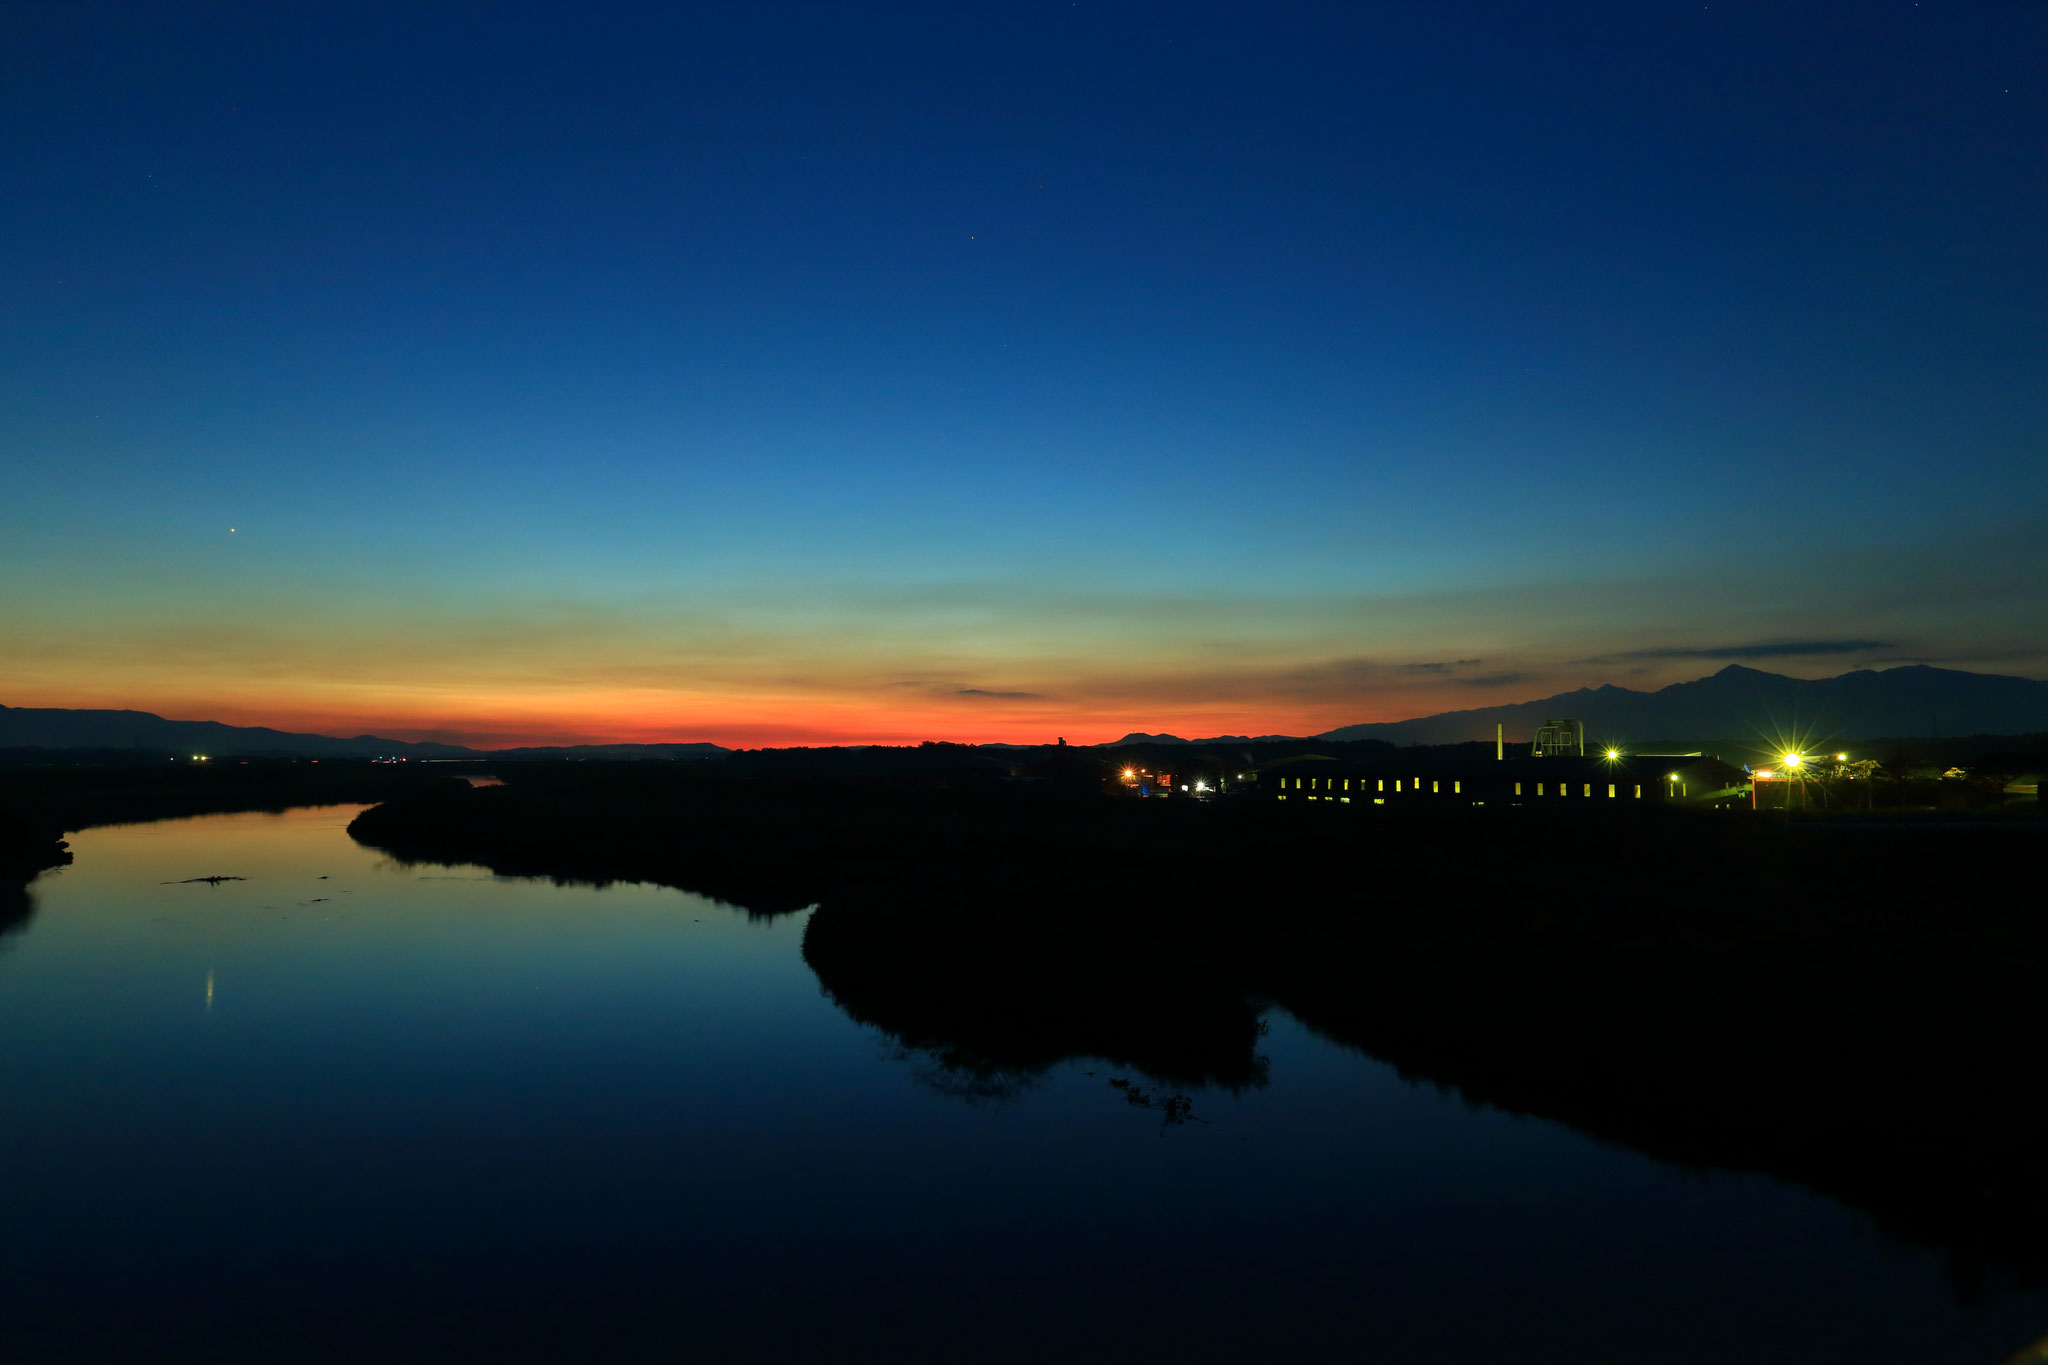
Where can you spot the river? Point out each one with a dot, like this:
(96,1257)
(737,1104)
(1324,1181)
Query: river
(346,1108)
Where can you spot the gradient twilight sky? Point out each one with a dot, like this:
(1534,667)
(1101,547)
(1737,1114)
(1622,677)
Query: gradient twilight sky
(779,373)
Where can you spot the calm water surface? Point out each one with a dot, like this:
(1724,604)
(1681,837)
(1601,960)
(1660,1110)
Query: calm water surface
(428,1113)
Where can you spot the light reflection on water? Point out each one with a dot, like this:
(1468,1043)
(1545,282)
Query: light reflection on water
(346,1106)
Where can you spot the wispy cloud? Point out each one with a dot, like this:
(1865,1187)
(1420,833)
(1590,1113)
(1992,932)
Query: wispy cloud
(1343,676)
(1784,649)
(938,688)
(1492,679)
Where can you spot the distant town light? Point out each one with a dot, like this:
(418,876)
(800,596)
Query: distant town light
(1613,753)
(1841,758)
(1793,760)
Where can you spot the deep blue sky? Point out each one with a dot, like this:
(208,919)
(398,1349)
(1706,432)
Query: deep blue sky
(773,370)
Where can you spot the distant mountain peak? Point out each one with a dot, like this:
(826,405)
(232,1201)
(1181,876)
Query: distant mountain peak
(1738,703)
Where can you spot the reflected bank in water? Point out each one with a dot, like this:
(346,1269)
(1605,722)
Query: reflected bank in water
(16,906)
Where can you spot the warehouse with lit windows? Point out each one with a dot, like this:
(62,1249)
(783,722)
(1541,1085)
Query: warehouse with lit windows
(1564,780)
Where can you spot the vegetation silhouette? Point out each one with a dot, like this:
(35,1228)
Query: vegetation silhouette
(1813,998)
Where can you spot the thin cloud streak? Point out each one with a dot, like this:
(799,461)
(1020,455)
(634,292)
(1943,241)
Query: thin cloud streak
(1790,649)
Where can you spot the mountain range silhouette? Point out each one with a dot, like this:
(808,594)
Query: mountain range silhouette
(1741,704)
(60,728)
(1737,703)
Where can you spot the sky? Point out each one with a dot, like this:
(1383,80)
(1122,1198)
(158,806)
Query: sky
(782,373)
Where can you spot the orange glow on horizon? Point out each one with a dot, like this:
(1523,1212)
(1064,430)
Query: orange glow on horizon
(733,721)
(844,665)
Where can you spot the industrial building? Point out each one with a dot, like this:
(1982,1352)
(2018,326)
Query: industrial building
(1608,779)
(1559,739)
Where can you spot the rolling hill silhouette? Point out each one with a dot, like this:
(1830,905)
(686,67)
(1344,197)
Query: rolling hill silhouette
(1745,704)
(57,728)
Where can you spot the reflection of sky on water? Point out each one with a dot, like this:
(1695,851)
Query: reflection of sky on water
(399,1108)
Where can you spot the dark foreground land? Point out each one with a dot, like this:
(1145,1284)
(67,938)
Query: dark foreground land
(1850,1005)
(45,797)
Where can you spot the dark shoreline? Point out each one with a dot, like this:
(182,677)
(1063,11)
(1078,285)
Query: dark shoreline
(1848,1013)
(40,804)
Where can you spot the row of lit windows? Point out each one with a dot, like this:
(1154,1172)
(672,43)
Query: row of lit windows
(1333,784)
(1586,789)
(1344,784)
(1377,800)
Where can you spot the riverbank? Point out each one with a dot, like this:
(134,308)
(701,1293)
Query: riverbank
(1853,1013)
(29,846)
(40,803)
(75,797)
